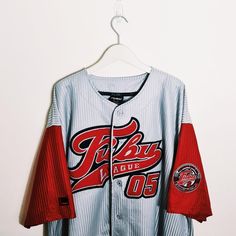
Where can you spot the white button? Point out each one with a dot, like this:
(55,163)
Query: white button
(119,182)
(120,112)
(119,216)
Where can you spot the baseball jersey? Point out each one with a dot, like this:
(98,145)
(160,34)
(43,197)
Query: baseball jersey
(118,157)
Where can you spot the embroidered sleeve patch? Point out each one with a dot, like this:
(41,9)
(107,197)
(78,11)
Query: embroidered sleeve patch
(187,178)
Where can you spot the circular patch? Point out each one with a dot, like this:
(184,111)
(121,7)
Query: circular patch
(186,178)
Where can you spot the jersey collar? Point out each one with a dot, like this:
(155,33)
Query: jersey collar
(137,102)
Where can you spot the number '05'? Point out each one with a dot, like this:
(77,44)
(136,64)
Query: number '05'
(142,185)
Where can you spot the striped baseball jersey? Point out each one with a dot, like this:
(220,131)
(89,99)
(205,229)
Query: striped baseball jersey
(118,157)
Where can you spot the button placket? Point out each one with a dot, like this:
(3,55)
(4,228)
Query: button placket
(116,191)
(111,177)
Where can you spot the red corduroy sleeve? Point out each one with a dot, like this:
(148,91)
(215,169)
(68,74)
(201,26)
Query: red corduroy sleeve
(188,192)
(51,195)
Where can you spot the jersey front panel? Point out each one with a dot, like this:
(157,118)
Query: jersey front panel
(143,135)
(127,162)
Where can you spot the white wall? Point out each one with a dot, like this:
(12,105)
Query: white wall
(42,41)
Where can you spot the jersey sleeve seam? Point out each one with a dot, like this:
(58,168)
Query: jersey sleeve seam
(56,101)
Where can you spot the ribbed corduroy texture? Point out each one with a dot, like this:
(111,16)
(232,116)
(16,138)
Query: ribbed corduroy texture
(159,109)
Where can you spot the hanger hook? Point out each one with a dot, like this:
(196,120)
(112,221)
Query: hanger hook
(112,26)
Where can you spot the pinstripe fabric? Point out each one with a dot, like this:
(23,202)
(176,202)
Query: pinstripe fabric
(156,114)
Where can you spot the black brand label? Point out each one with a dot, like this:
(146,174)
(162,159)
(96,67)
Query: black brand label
(117,98)
(63,201)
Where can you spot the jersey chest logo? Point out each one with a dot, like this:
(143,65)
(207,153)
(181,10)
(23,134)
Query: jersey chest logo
(132,157)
